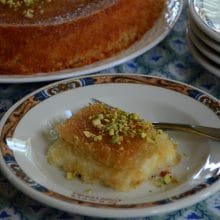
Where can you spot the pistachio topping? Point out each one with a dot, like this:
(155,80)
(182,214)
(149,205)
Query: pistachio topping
(88,134)
(88,191)
(164,178)
(97,138)
(118,124)
(70,175)
(29,6)
(143,134)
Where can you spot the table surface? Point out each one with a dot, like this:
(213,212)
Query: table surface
(170,59)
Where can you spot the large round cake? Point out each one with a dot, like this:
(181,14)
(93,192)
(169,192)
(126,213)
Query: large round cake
(50,35)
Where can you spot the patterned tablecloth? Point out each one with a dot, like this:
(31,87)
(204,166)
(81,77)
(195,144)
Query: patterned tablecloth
(170,59)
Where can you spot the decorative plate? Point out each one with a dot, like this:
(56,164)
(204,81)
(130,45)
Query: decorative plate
(202,36)
(24,145)
(207,63)
(207,15)
(151,38)
(203,48)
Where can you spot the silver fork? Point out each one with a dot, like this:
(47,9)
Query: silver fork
(209,132)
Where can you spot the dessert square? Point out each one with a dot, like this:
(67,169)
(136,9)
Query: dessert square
(112,147)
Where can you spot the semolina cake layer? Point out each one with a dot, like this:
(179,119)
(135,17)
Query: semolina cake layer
(64,156)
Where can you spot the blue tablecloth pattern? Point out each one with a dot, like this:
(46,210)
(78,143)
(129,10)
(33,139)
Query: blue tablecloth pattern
(170,59)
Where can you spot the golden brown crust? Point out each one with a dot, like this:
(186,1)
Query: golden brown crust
(30,49)
(119,156)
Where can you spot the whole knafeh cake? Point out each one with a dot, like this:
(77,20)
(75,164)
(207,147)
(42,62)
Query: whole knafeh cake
(50,35)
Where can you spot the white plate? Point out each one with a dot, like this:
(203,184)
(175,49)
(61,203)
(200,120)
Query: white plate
(206,13)
(202,36)
(23,144)
(151,38)
(203,60)
(203,48)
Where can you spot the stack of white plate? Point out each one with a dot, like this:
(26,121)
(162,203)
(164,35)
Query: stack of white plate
(204,33)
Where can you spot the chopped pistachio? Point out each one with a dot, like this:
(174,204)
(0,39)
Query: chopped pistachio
(159,131)
(134,116)
(116,139)
(158,182)
(97,138)
(100,116)
(88,191)
(3,2)
(111,132)
(29,13)
(147,124)
(143,134)
(117,124)
(106,120)
(30,6)
(100,126)
(164,178)
(28,2)
(88,134)
(167,179)
(70,175)
(150,140)
(96,122)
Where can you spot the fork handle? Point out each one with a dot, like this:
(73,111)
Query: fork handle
(212,133)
